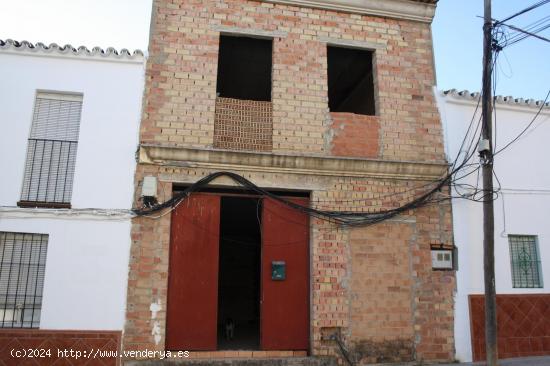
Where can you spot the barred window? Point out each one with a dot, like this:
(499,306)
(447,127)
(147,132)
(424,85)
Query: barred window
(22,266)
(525,261)
(51,151)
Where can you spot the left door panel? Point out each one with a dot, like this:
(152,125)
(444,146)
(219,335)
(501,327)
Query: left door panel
(192,307)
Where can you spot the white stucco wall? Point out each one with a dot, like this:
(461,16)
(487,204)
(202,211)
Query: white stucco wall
(86,270)
(88,250)
(111,111)
(522,208)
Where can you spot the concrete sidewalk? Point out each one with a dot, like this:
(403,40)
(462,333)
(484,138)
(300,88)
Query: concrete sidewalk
(522,361)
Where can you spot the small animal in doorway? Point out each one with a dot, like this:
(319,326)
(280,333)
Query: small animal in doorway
(229,329)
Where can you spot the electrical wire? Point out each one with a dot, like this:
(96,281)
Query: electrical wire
(468,191)
(526,33)
(346,218)
(342,348)
(516,36)
(529,8)
(527,127)
(433,193)
(513,34)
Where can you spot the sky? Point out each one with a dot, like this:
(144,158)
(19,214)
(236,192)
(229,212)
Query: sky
(523,69)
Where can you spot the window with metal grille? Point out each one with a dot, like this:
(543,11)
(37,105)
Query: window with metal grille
(51,151)
(525,261)
(22,265)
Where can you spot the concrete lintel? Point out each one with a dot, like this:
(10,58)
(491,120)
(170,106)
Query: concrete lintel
(352,43)
(399,9)
(251,32)
(291,164)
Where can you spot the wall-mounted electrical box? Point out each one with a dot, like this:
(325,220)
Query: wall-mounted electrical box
(443,258)
(278,270)
(149,187)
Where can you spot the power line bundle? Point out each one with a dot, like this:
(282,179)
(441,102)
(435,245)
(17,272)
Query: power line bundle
(347,218)
(433,193)
(518,34)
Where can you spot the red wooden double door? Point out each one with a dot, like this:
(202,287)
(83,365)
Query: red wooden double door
(192,308)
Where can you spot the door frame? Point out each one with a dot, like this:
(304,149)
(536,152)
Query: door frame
(235,192)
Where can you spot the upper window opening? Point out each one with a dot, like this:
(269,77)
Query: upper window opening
(244,68)
(350,80)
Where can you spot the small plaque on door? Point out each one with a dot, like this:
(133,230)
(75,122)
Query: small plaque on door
(278,270)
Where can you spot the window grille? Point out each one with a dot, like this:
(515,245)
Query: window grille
(525,261)
(51,151)
(22,266)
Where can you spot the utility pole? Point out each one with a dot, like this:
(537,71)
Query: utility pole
(486,154)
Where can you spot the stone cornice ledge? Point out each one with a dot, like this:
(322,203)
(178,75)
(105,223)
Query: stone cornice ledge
(400,9)
(291,164)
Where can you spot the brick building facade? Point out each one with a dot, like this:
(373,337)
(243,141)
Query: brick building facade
(374,285)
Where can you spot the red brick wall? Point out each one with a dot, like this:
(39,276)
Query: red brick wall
(523,325)
(181,76)
(375,283)
(85,342)
(414,319)
(355,135)
(381,310)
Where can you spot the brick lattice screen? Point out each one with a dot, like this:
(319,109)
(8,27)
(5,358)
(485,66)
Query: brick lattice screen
(243,125)
(523,325)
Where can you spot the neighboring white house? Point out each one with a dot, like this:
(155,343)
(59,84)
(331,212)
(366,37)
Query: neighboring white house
(69,122)
(522,227)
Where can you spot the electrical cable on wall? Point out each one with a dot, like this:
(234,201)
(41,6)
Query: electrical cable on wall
(458,170)
(433,195)
(347,218)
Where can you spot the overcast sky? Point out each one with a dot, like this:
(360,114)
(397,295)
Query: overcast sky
(523,71)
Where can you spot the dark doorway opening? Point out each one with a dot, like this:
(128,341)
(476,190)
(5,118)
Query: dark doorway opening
(239,273)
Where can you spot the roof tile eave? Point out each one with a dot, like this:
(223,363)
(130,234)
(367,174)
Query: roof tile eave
(500,99)
(69,49)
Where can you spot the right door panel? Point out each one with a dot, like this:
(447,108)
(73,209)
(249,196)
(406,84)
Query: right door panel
(285,303)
